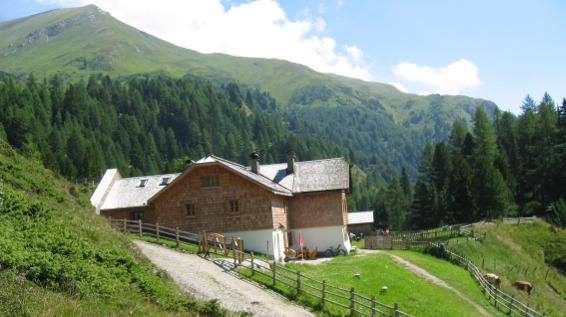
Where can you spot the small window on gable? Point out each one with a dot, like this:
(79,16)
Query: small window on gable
(138,215)
(164,181)
(142,183)
(190,210)
(209,181)
(233,206)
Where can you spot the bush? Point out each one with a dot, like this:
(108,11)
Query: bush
(555,253)
(557,213)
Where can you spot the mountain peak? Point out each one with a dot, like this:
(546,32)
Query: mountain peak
(92,9)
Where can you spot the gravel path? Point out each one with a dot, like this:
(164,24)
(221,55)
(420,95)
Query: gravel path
(207,279)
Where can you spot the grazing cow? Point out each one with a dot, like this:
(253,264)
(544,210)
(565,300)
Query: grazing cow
(493,279)
(524,285)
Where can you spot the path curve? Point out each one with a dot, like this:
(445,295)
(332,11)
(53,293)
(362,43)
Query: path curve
(207,279)
(429,277)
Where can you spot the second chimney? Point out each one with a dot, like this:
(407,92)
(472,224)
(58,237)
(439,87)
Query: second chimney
(290,162)
(254,162)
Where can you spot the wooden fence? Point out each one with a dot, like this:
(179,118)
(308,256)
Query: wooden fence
(402,239)
(348,301)
(500,299)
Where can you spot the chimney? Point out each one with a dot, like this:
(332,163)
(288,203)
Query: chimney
(290,162)
(254,162)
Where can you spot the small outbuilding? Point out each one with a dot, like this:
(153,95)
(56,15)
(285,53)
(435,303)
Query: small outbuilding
(360,222)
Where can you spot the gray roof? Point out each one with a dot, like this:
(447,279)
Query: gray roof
(309,176)
(127,193)
(360,217)
(321,175)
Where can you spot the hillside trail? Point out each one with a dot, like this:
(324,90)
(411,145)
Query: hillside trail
(214,279)
(428,276)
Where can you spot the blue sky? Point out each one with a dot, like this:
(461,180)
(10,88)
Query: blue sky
(497,50)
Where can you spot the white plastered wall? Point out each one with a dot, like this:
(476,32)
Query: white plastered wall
(97,198)
(267,241)
(323,237)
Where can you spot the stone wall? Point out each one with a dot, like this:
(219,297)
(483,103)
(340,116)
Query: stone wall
(318,209)
(211,203)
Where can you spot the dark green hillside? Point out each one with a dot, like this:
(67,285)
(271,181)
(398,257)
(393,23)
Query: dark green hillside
(57,258)
(385,128)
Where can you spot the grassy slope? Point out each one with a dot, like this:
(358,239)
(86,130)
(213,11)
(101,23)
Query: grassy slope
(74,263)
(453,275)
(516,252)
(414,295)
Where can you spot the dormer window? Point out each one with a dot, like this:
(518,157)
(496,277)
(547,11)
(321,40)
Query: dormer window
(142,182)
(164,181)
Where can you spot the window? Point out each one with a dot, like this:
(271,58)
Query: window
(190,210)
(164,181)
(138,215)
(209,181)
(142,183)
(233,206)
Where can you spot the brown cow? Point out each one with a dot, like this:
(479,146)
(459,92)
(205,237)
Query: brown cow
(524,285)
(493,279)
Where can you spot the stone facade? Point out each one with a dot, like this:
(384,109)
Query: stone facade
(318,209)
(258,208)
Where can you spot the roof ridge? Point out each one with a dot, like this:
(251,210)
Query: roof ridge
(273,184)
(321,160)
(144,176)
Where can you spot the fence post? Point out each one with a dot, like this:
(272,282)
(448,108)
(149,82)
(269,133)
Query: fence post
(110,220)
(494,294)
(177,236)
(124,224)
(274,268)
(242,257)
(396,307)
(352,307)
(511,303)
(527,310)
(323,291)
(298,282)
(157,231)
(373,306)
(234,248)
(140,227)
(252,260)
(226,245)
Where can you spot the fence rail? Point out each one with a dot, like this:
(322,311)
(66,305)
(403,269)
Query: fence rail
(500,298)
(346,300)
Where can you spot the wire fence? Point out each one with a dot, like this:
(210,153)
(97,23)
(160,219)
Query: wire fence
(500,299)
(346,300)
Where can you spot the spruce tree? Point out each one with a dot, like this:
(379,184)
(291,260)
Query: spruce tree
(490,192)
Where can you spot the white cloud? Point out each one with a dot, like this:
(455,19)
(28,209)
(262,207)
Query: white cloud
(259,28)
(399,86)
(450,80)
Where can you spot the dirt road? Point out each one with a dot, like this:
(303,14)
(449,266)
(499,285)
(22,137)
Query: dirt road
(208,279)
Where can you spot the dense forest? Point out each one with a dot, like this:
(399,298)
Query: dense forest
(144,124)
(509,166)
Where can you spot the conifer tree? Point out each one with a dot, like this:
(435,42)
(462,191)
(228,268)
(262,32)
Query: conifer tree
(490,192)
